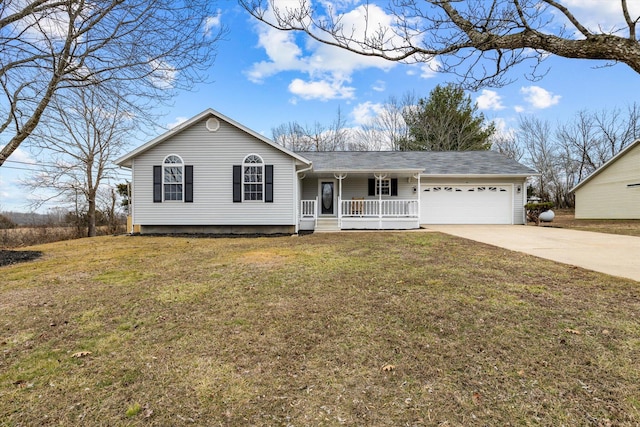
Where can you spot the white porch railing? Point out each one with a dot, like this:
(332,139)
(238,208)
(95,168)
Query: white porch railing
(308,209)
(366,208)
(380,208)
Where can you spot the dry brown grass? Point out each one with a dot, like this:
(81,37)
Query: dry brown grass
(383,329)
(565,218)
(29,236)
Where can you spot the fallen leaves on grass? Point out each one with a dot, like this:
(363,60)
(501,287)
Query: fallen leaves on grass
(388,368)
(81,354)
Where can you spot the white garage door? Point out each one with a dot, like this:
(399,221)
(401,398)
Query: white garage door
(466,204)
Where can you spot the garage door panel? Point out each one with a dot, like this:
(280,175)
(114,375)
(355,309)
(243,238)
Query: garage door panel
(466,204)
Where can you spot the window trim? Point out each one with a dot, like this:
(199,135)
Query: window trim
(380,187)
(261,183)
(166,165)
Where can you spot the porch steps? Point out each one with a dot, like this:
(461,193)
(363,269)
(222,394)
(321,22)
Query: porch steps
(327,225)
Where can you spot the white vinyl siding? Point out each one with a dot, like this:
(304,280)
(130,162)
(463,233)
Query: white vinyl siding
(213,155)
(608,195)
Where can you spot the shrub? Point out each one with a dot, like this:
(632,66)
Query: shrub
(6,223)
(535,209)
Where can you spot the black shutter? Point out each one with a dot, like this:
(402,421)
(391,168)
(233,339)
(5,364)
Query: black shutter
(157,184)
(372,187)
(394,186)
(188,184)
(237,183)
(268,183)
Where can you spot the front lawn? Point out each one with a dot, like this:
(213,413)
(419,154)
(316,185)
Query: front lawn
(380,329)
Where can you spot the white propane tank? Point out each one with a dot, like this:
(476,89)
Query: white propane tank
(547,216)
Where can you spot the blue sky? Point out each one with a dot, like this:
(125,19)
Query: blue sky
(263,78)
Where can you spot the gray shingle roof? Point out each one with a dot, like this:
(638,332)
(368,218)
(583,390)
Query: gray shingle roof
(426,162)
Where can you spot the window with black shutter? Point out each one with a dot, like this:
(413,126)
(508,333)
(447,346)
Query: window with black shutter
(384,187)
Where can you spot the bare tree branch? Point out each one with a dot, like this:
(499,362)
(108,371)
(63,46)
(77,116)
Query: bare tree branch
(140,50)
(477,40)
(78,141)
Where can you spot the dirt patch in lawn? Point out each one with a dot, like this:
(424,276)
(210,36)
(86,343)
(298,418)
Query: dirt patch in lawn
(8,257)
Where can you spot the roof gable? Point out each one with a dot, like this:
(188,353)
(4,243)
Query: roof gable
(125,160)
(607,164)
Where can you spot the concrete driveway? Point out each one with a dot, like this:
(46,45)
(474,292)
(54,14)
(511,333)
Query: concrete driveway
(606,253)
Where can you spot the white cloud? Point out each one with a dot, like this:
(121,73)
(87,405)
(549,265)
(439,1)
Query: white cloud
(19,155)
(379,86)
(598,15)
(212,22)
(41,27)
(489,100)
(327,67)
(518,108)
(284,54)
(177,122)
(364,112)
(538,97)
(430,68)
(322,90)
(162,74)
(503,128)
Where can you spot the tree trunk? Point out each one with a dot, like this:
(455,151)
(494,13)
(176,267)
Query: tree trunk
(91,216)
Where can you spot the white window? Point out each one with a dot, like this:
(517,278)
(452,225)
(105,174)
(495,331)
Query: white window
(252,177)
(172,177)
(383,187)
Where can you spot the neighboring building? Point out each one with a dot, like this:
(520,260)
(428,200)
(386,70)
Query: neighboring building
(613,190)
(214,175)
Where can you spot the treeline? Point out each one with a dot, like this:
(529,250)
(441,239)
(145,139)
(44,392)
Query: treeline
(565,153)
(59,217)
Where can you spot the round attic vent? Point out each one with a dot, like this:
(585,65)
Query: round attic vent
(213,124)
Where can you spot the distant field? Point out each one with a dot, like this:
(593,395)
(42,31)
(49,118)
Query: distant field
(27,236)
(380,329)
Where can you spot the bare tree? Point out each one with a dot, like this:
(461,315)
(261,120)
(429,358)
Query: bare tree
(316,137)
(140,50)
(540,153)
(291,135)
(575,149)
(579,140)
(387,130)
(616,130)
(507,144)
(79,140)
(592,138)
(478,40)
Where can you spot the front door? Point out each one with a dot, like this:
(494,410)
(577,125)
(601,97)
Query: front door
(327,196)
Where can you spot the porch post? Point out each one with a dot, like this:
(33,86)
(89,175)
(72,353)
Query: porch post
(379,177)
(340,177)
(417,176)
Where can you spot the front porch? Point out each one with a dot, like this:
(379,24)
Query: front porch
(374,201)
(362,214)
